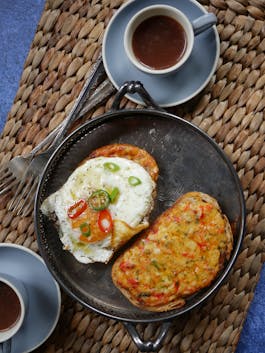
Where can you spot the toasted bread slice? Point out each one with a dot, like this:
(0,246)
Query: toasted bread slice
(181,253)
(131,152)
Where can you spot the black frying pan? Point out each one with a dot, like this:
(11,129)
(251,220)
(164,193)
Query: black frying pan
(188,160)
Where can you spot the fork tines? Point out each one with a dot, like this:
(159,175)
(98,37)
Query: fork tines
(7,179)
(23,200)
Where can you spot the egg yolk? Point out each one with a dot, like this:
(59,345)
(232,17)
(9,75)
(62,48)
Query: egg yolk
(90,216)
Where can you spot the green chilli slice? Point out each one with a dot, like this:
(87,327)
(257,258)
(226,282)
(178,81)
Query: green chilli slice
(99,200)
(112,167)
(134,181)
(114,194)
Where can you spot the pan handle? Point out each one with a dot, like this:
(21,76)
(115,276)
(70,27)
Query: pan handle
(134,87)
(148,346)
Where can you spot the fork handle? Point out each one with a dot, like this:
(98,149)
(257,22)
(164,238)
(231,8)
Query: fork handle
(96,72)
(104,90)
(46,141)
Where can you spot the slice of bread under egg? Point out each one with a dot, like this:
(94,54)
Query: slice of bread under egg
(178,255)
(104,202)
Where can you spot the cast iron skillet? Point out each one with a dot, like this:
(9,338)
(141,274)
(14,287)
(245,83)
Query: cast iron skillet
(188,160)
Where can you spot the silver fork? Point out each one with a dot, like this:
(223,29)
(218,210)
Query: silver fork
(22,201)
(12,171)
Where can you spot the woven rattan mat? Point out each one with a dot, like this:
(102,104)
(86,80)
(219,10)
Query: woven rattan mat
(230,109)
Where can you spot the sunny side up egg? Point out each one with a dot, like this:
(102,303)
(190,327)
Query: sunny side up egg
(104,202)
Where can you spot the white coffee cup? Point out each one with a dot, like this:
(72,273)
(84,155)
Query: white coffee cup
(191,29)
(17,291)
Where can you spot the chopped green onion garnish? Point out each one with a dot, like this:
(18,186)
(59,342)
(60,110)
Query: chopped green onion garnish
(114,194)
(112,167)
(99,200)
(155,263)
(133,181)
(85,229)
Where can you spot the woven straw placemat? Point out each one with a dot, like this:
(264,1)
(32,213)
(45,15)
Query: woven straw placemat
(230,109)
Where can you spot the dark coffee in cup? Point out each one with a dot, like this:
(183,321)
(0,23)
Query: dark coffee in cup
(159,39)
(159,42)
(10,308)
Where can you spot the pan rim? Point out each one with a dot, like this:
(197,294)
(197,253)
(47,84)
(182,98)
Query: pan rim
(168,315)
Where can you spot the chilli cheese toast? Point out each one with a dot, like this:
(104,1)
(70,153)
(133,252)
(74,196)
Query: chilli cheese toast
(181,253)
(104,202)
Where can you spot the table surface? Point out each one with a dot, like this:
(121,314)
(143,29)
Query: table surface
(18,21)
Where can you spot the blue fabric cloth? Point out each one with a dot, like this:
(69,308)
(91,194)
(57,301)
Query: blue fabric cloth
(252,339)
(18,21)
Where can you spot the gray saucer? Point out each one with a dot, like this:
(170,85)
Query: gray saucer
(170,90)
(43,293)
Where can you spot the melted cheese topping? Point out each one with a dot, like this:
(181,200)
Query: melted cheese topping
(180,254)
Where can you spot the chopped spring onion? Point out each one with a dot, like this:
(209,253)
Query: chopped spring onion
(85,229)
(112,167)
(134,181)
(114,194)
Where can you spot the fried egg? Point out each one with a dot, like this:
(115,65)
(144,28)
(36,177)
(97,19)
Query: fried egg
(104,202)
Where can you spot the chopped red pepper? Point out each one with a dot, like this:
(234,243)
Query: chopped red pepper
(76,209)
(133,281)
(202,245)
(177,219)
(205,209)
(187,207)
(176,286)
(126,266)
(105,221)
(188,255)
(159,295)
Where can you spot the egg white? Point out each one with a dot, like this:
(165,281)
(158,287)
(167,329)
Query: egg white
(132,206)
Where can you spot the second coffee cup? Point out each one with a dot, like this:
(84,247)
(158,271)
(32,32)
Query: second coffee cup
(13,305)
(159,39)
